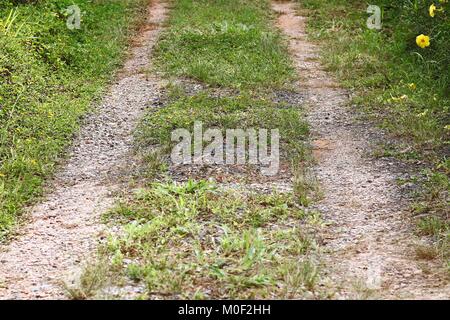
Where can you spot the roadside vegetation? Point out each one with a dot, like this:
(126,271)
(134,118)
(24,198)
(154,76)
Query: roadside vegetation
(401,77)
(194,238)
(49,78)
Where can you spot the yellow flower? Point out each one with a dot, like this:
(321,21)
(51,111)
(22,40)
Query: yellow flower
(432,10)
(423,41)
(412,86)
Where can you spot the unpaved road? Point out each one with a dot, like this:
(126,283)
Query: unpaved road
(63,230)
(370,243)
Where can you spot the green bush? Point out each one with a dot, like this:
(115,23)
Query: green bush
(407,19)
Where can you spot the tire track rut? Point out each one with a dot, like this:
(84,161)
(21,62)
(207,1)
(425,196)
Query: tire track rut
(370,243)
(63,229)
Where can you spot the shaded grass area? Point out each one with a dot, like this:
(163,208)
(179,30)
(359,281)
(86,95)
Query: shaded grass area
(402,87)
(224,43)
(50,76)
(196,241)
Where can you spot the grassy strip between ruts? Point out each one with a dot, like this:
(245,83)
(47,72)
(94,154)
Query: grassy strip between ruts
(233,111)
(199,239)
(49,76)
(224,43)
(195,240)
(401,86)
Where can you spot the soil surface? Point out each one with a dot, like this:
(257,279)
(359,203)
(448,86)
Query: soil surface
(64,229)
(370,243)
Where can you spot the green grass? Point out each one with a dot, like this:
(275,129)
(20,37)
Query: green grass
(224,43)
(50,77)
(194,240)
(403,87)
(239,111)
